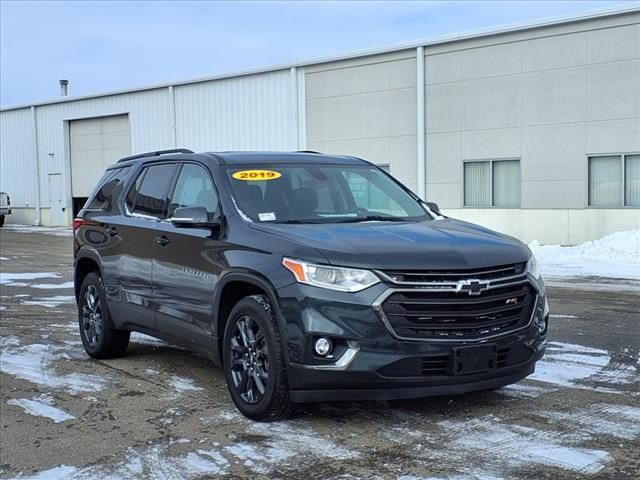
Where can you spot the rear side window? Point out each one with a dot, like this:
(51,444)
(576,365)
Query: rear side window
(148,196)
(109,187)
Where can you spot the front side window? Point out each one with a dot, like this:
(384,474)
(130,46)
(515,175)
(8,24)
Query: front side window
(321,194)
(148,196)
(614,181)
(194,188)
(492,183)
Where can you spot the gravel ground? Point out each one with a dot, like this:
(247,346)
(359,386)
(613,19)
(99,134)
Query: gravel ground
(164,413)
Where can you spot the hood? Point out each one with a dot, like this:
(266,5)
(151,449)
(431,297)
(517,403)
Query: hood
(436,244)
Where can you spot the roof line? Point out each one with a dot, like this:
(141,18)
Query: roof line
(460,36)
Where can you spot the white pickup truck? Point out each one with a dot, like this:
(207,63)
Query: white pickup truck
(5,206)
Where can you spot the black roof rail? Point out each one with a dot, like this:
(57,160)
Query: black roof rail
(308,151)
(155,154)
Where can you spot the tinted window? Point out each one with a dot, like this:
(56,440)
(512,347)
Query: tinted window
(149,194)
(108,188)
(194,188)
(321,194)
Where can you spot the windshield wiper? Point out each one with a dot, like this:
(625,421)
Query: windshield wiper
(373,218)
(294,221)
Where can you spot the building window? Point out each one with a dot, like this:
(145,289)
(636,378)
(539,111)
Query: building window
(492,183)
(614,181)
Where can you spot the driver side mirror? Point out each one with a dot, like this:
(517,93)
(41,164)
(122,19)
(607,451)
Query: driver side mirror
(192,217)
(433,207)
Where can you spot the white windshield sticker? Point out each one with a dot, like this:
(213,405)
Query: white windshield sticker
(265,217)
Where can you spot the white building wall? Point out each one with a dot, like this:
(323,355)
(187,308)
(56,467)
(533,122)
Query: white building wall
(550,100)
(366,107)
(254,112)
(17,157)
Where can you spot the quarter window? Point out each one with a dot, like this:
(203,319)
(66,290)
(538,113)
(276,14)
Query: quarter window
(492,183)
(614,181)
(194,188)
(149,194)
(110,185)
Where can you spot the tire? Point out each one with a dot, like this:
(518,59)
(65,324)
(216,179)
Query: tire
(1,220)
(256,358)
(99,337)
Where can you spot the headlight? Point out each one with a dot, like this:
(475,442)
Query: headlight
(334,278)
(532,267)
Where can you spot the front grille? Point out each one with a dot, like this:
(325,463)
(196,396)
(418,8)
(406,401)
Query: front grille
(449,315)
(415,277)
(442,365)
(435,366)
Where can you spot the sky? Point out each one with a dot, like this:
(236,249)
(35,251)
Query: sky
(102,46)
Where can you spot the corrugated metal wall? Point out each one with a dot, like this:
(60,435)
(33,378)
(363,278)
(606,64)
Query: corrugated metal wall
(256,112)
(17,156)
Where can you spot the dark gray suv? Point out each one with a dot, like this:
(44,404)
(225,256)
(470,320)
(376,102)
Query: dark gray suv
(306,277)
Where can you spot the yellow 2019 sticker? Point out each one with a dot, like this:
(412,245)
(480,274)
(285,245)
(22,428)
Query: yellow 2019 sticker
(256,175)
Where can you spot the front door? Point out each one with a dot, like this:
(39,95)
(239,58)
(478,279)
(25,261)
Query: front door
(187,262)
(56,199)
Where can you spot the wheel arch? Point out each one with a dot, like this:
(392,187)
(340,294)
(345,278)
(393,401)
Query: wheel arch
(85,263)
(234,286)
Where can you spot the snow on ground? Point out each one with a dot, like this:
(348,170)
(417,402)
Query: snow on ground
(52,286)
(42,406)
(34,363)
(56,231)
(50,302)
(180,385)
(616,256)
(569,365)
(284,443)
(11,278)
(479,438)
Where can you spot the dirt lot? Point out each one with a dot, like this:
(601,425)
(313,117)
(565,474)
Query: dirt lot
(164,413)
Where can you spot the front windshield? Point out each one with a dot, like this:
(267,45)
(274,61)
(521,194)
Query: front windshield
(321,194)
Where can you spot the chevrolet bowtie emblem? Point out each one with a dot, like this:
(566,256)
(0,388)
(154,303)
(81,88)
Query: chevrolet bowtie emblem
(472,287)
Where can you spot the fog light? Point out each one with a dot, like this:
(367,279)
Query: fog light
(323,346)
(542,324)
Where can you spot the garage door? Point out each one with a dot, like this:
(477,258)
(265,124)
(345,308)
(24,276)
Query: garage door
(95,144)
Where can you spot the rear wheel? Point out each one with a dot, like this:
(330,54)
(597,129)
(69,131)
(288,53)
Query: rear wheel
(1,220)
(99,337)
(254,363)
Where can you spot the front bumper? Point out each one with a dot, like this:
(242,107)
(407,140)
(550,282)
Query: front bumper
(385,367)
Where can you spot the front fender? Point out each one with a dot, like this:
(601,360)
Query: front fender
(260,281)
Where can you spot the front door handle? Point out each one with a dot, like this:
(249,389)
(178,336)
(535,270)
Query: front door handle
(162,240)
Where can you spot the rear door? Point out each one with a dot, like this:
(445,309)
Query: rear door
(127,264)
(187,261)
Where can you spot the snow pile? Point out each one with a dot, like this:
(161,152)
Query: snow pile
(616,255)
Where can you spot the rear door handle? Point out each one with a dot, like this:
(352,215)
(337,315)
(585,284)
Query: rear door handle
(162,240)
(113,231)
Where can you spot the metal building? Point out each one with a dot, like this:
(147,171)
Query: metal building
(533,130)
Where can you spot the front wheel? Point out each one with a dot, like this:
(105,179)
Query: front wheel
(99,336)
(254,363)
(1,220)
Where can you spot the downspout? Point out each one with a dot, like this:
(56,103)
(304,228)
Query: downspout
(172,110)
(420,125)
(293,75)
(302,110)
(37,152)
